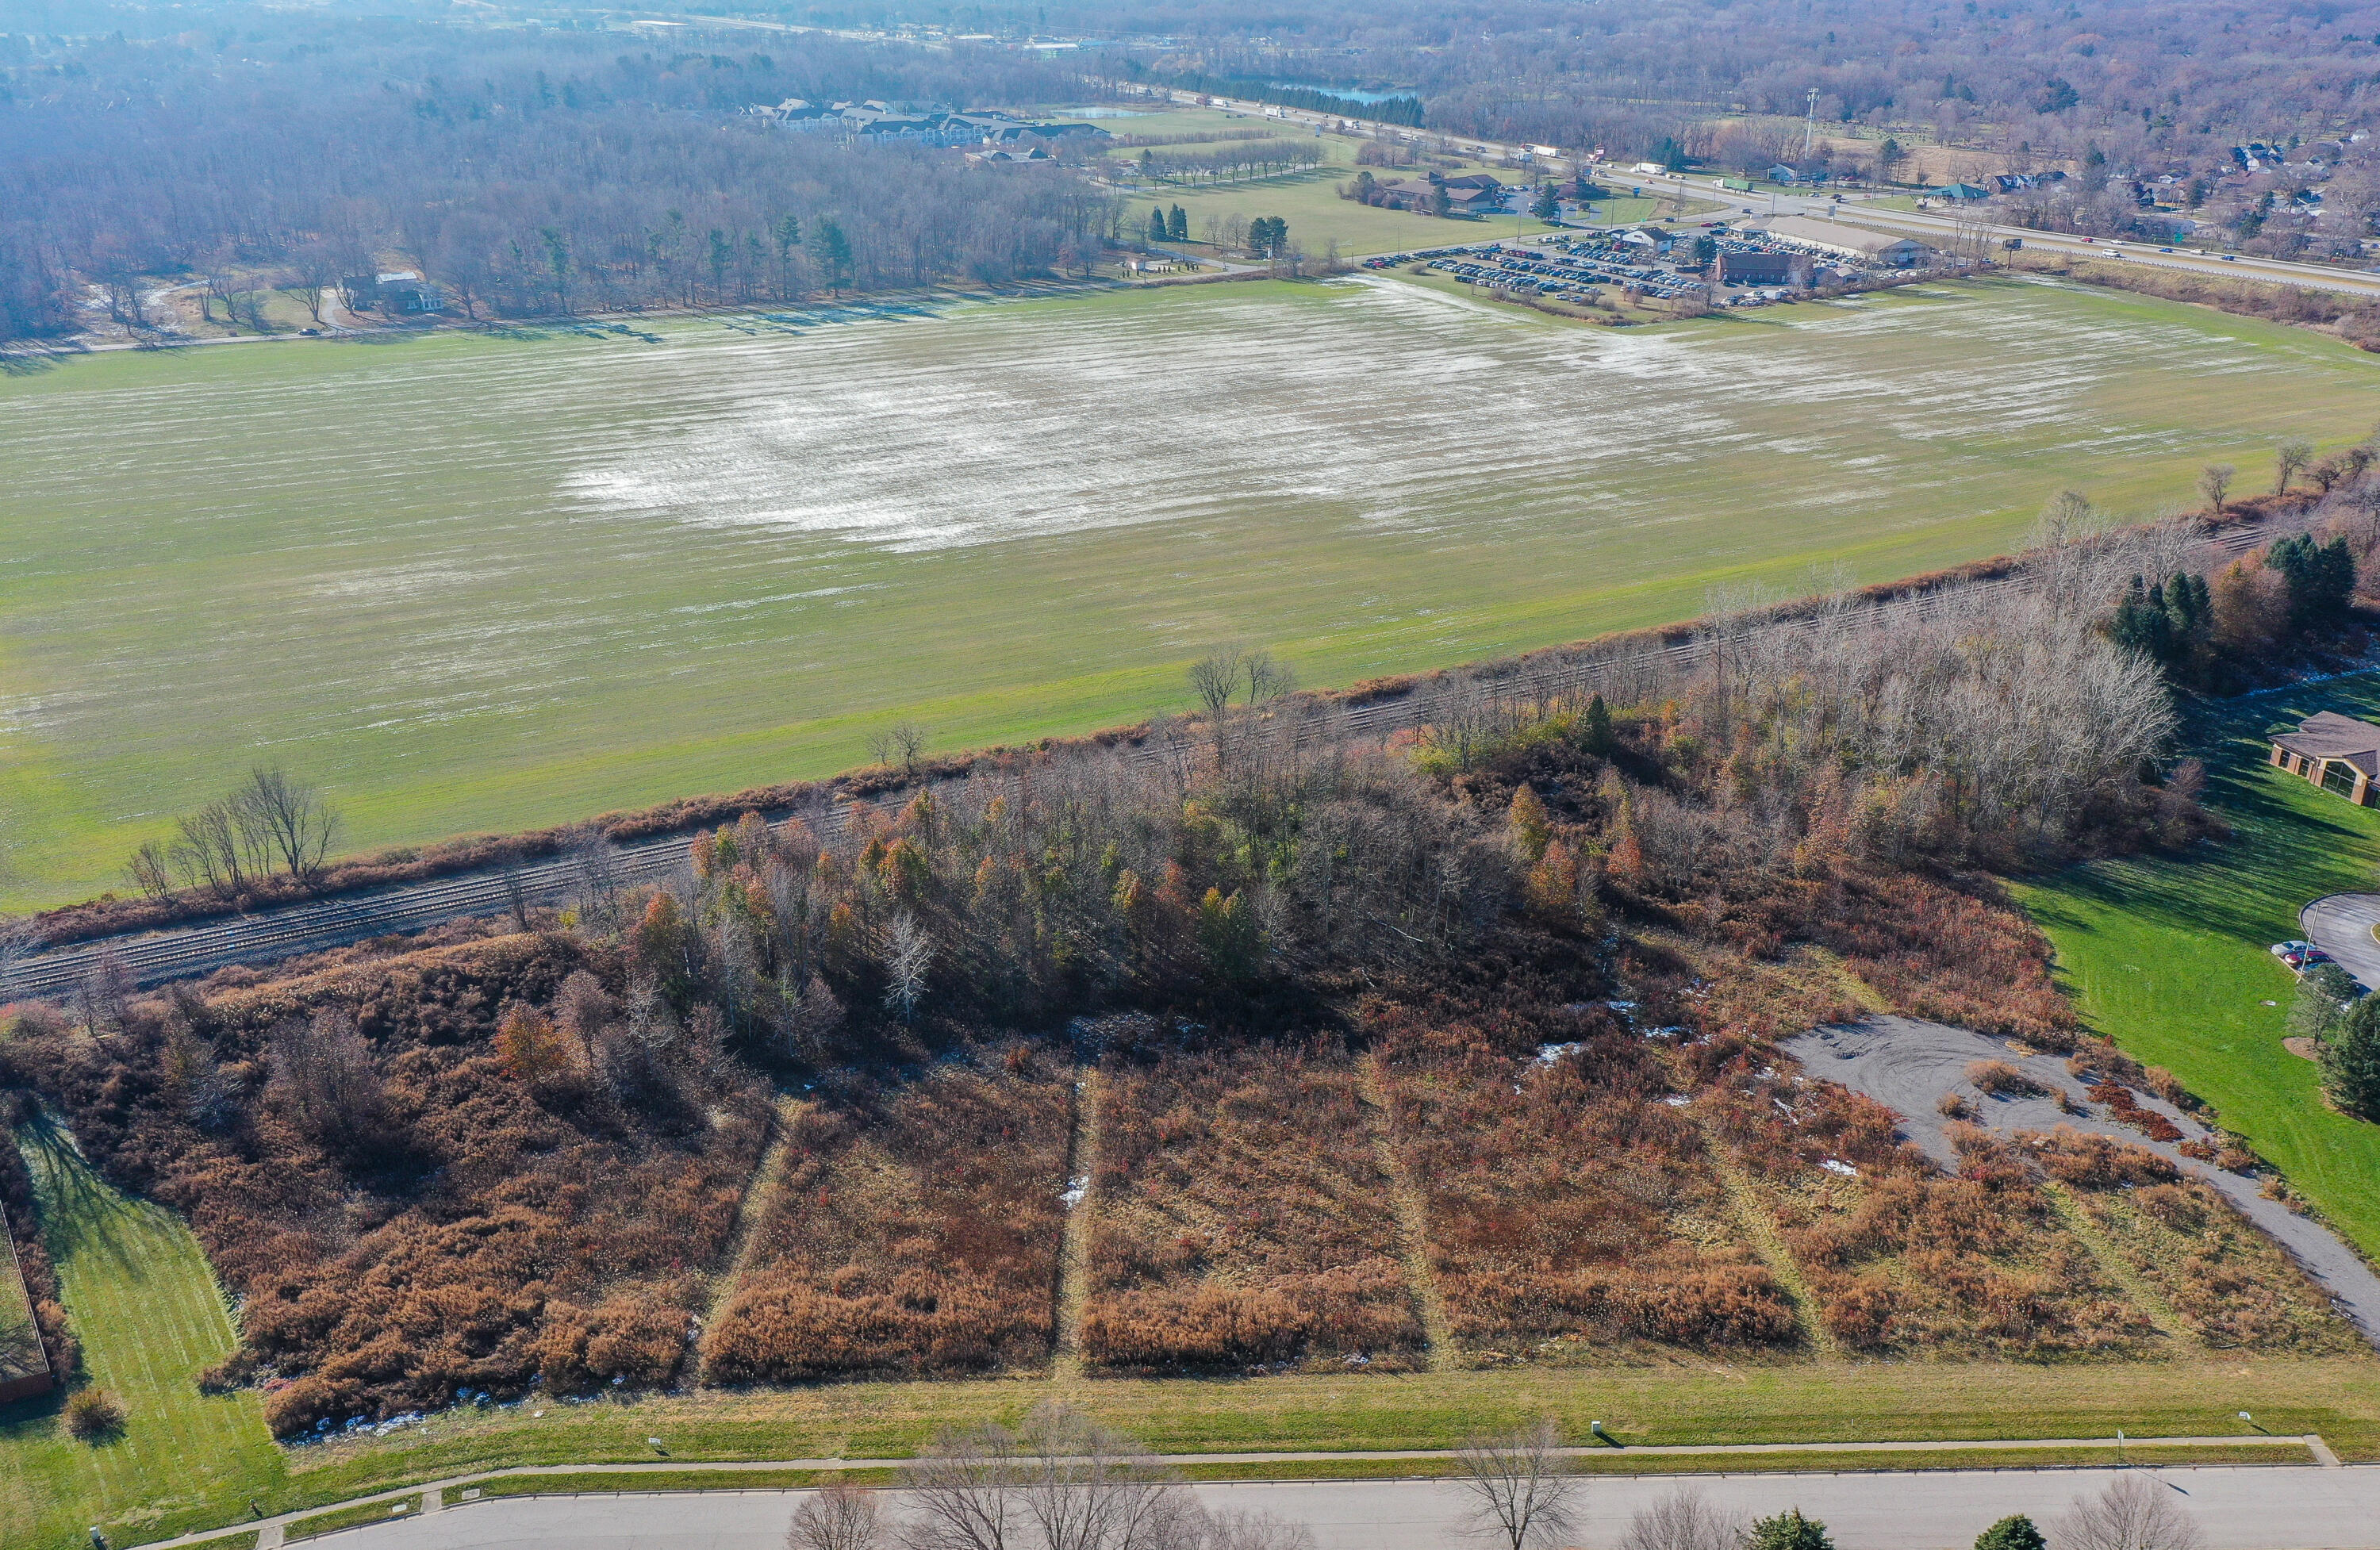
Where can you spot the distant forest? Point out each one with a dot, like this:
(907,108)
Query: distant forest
(530,171)
(2049,72)
(538,169)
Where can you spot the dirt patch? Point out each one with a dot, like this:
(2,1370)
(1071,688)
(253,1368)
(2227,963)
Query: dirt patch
(2303,1048)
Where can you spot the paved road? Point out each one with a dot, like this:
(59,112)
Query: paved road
(1908,1065)
(2239,1508)
(2340,924)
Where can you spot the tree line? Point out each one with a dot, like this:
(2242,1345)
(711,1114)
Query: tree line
(527,171)
(1229,164)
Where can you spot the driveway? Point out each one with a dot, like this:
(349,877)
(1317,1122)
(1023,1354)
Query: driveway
(1908,1065)
(2253,1508)
(2341,926)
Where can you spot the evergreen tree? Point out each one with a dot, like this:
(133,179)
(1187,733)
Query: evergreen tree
(1788,1530)
(1546,207)
(2011,1533)
(2172,620)
(1156,226)
(2350,1059)
(831,250)
(1596,734)
(1177,225)
(2141,623)
(2321,578)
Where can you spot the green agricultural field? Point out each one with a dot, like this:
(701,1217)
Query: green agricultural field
(477,583)
(2168,952)
(1309,200)
(151,1318)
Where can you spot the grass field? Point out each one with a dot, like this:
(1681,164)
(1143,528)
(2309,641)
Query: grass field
(1309,199)
(147,1310)
(1669,1403)
(2168,952)
(476,582)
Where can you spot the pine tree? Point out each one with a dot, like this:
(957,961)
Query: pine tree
(1788,1530)
(2011,1533)
(1177,225)
(2350,1059)
(2321,578)
(1547,206)
(1595,732)
(1155,225)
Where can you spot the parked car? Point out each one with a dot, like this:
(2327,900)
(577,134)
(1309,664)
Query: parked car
(2300,956)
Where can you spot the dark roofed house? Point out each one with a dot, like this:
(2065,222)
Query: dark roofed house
(2337,753)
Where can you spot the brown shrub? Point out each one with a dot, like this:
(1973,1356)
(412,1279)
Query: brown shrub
(2000,1079)
(637,1336)
(1241,1216)
(2097,1162)
(1562,1209)
(2231,1284)
(94,1414)
(1951,1106)
(387,1276)
(916,1229)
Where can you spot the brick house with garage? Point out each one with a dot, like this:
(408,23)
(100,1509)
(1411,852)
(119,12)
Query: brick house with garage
(2337,753)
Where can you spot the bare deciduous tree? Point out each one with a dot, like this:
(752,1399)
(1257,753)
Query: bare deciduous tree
(840,1517)
(908,954)
(1062,1482)
(2214,483)
(218,850)
(103,994)
(2133,1513)
(2290,460)
(1686,1520)
(967,1491)
(1215,678)
(298,824)
(1253,1531)
(901,746)
(594,882)
(325,1078)
(150,869)
(1520,1485)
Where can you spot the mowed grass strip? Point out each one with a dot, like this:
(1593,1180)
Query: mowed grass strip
(355,1517)
(151,1317)
(2167,953)
(1622,1462)
(1681,1403)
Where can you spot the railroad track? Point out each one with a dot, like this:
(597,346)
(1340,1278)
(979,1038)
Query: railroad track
(317,925)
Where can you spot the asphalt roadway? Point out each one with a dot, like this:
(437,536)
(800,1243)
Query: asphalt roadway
(2239,1508)
(2340,924)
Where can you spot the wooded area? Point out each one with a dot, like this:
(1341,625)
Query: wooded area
(526,171)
